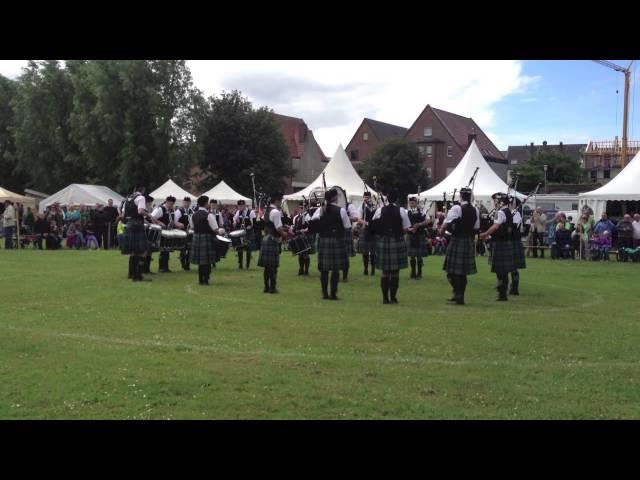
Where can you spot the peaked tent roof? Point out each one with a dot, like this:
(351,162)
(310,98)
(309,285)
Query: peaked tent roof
(170,188)
(224,194)
(16,198)
(76,193)
(624,186)
(487,182)
(339,171)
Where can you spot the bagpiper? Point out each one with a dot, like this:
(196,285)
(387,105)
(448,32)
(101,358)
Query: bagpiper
(416,238)
(366,238)
(203,251)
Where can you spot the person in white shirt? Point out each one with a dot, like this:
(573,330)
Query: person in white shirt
(274,230)
(330,222)
(366,239)
(390,223)
(244,218)
(165,216)
(460,257)
(352,214)
(203,247)
(416,238)
(519,257)
(636,230)
(9,223)
(135,242)
(182,219)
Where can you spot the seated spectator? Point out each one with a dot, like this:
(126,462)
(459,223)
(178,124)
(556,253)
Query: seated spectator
(41,230)
(53,238)
(73,237)
(603,224)
(625,232)
(600,246)
(562,242)
(562,220)
(90,235)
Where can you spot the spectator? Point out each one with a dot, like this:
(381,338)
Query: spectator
(100,224)
(53,238)
(604,224)
(90,235)
(562,242)
(538,230)
(111,215)
(600,246)
(636,230)
(9,223)
(72,237)
(29,221)
(583,230)
(625,232)
(120,232)
(41,230)
(84,216)
(562,220)
(72,215)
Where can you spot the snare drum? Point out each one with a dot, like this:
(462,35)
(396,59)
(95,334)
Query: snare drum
(299,244)
(222,246)
(171,240)
(153,232)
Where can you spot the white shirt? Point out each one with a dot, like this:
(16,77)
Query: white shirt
(636,229)
(275,217)
(406,223)
(456,212)
(140,202)
(211,219)
(352,212)
(346,223)
(517,218)
(500,217)
(178,214)
(9,216)
(361,213)
(236,217)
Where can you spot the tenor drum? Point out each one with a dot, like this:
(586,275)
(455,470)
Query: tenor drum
(299,244)
(238,238)
(222,246)
(171,240)
(153,232)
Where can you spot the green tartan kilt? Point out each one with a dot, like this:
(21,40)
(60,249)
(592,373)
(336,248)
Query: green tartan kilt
(416,245)
(269,252)
(203,249)
(366,242)
(391,253)
(134,241)
(519,257)
(460,258)
(348,242)
(332,253)
(501,260)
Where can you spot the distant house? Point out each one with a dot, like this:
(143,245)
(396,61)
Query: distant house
(368,136)
(306,156)
(517,155)
(442,138)
(603,159)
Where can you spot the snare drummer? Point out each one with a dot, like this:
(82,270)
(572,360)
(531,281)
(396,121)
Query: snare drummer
(182,218)
(134,242)
(244,218)
(164,214)
(203,252)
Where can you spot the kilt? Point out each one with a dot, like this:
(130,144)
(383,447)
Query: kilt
(348,242)
(134,241)
(417,245)
(203,249)
(391,253)
(332,253)
(519,257)
(501,260)
(366,242)
(269,252)
(460,258)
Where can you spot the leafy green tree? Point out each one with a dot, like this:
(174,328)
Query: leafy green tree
(239,140)
(9,177)
(397,166)
(561,168)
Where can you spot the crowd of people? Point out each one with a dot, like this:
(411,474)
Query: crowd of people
(586,238)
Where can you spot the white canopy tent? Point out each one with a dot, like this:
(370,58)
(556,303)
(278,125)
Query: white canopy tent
(77,193)
(225,195)
(16,198)
(338,172)
(487,182)
(170,187)
(623,187)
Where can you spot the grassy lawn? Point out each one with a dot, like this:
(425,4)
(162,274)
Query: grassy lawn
(78,340)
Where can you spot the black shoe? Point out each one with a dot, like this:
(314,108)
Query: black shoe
(366,272)
(300,272)
(333,297)
(240,267)
(266,290)
(385,301)
(452,299)
(394,301)
(274,290)
(460,301)
(513,291)
(325,296)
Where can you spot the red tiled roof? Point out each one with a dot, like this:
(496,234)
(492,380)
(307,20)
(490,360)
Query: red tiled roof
(294,131)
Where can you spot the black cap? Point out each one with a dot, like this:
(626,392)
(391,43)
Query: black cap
(203,200)
(170,198)
(187,199)
(413,199)
(148,198)
(366,194)
(241,202)
(330,194)
(392,196)
(276,196)
(213,200)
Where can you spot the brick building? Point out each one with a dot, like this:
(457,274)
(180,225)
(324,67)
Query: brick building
(368,136)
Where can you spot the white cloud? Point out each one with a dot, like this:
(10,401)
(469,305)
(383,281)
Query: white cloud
(333,96)
(12,68)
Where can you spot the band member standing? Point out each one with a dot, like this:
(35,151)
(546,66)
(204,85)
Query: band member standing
(203,251)
(148,199)
(164,214)
(183,215)
(390,223)
(366,239)
(330,222)
(269,257)
(416,239)
(135,242)
(519,257)
(460,259)
(352,215)
(213,208)
(301,227)
(244,218)
(502,240)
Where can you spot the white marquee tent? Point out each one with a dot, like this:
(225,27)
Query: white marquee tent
(170,187)
(338,172)
(77,193)
(487,182)
(225,195)
(623,187)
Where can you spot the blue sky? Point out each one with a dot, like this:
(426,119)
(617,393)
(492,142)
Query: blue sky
(570,101)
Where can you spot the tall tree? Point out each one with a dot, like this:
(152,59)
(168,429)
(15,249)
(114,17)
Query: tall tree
(561,168)
(397,166)
(239,140)
(9,176)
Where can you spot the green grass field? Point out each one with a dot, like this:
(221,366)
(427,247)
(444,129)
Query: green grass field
(78,340)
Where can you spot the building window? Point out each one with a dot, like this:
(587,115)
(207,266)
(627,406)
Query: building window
(422,150)
(429,150)
(449,170)
(428,131)
(514,162)
(354,155)
(594,174)
(449,151)
(606,173)
(365,136)
(429,172)
(574,206)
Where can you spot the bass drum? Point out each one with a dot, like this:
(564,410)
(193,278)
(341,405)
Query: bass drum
(222,246)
